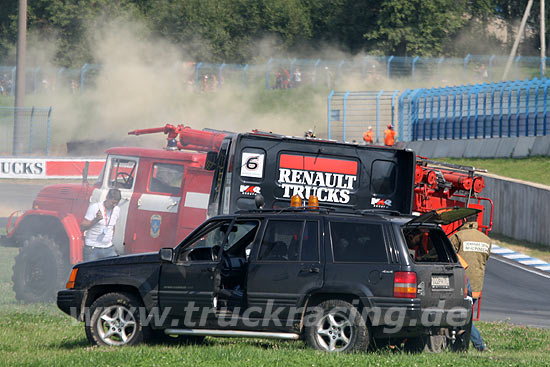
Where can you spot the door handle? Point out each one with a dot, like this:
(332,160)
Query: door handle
(208,270)
(174,203)
(310,270)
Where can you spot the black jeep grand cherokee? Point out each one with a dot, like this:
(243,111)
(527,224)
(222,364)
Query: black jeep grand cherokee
(338,280)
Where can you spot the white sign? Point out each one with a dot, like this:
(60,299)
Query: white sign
(252,165)
(476,246)
(22,168)
(327,186)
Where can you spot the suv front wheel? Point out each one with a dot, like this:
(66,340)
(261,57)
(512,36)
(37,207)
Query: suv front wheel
(336,326)
(115,320)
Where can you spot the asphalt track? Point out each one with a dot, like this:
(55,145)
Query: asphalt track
(511,292)
(515,293)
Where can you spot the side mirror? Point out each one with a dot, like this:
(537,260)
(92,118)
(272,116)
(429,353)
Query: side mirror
(211,161)
(85,172)
(166,254)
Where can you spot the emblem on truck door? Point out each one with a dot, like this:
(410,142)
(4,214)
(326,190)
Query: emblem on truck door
(155,225)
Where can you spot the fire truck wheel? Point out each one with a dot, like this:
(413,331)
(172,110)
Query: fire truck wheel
(39,270)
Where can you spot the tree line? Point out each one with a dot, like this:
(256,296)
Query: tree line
(229,30)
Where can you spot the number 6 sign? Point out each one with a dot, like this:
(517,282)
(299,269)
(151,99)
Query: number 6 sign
(252,165)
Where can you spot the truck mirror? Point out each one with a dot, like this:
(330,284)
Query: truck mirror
(211,161)
(166,254)
(85,172)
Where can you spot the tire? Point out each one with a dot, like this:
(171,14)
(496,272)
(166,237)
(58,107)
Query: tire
(416,344)
(462,341)
(40,270)
(115,321)
(336,326)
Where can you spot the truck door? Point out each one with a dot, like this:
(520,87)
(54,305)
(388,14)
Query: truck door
(120,174)
(153,218)
(286,267)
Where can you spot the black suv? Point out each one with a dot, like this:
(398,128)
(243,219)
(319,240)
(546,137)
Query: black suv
(341,281)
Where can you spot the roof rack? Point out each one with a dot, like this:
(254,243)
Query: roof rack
(378,212)
(286,210)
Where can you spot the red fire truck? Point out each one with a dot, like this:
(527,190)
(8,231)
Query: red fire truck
(167,192)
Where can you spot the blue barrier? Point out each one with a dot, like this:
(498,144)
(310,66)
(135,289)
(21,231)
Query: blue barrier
(504,109)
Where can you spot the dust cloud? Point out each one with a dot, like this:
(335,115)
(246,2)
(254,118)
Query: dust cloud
(146,81)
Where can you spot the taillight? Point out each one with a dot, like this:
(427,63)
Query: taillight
(72,278)
(404,284)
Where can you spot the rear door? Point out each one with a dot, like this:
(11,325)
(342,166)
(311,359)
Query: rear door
(360,259)
(286,266)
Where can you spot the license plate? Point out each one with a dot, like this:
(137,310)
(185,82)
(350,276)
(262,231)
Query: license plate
(440,281)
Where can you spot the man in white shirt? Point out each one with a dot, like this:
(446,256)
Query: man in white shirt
(99,224)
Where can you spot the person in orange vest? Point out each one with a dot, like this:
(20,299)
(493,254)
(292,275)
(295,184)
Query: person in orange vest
(389,136)
(367,136)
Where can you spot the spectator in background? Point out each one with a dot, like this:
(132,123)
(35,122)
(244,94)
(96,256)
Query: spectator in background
(74,86)
(389,136)
(297,77)
(328,77)
(367,136)
(279,80)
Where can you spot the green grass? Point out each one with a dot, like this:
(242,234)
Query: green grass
(535,169)
(41,335)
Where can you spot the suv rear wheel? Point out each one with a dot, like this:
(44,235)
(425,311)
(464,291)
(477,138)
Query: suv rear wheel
(336,326)
(115,320)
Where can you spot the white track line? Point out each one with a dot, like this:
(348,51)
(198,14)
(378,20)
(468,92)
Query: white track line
(522,268)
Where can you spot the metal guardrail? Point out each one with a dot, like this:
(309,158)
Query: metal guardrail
(36,125)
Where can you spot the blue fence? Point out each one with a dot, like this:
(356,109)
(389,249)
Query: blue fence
(503,109)
(291,73)
(35,125)
(351,113)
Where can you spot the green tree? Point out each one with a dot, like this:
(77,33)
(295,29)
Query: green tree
(416,27)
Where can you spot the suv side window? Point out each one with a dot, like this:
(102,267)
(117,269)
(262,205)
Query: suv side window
(166,178)
(202,247)
(358,242)
(281,241)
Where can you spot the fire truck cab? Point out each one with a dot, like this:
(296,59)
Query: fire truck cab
(164,197)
